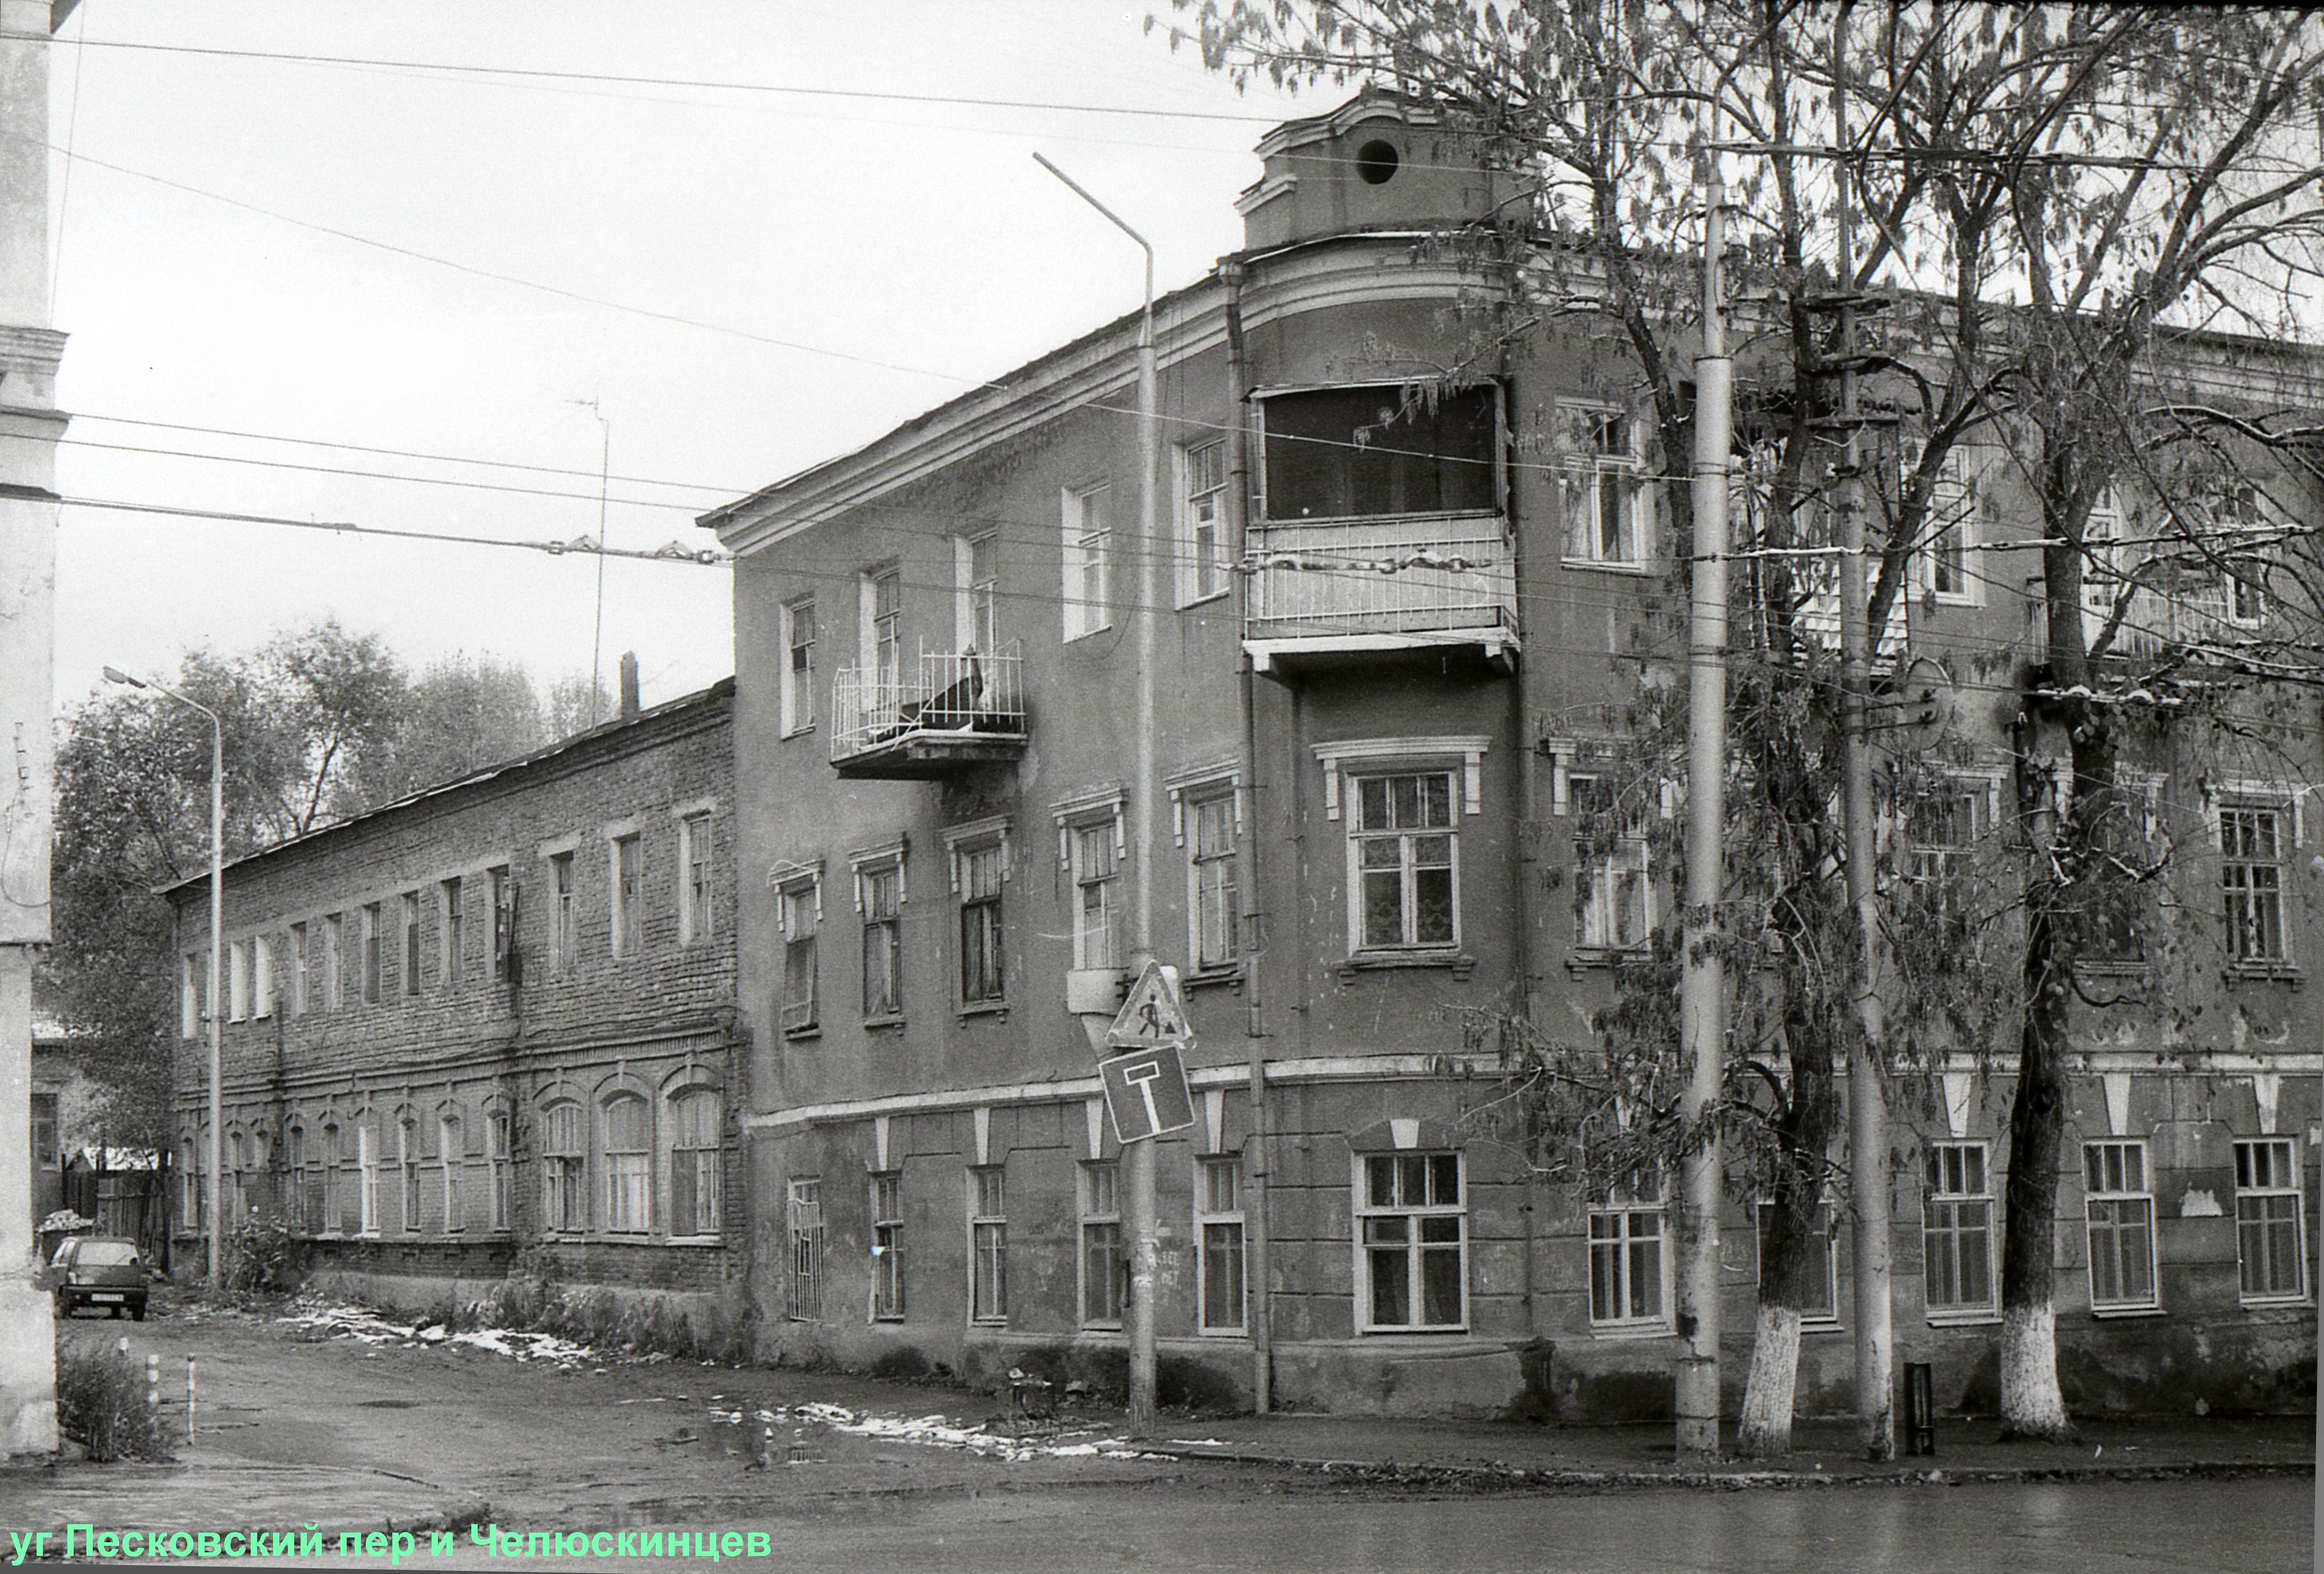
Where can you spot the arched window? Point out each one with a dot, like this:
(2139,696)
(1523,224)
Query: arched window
(295,1190)
(329,1221)
(629,1163)
(234,1164)
(564,1203)
(189,1202)
(451,1151)
(695,1178)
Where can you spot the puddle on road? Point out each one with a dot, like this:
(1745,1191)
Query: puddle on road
(390,1404)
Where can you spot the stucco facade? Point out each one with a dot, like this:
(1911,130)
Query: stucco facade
(1445,615)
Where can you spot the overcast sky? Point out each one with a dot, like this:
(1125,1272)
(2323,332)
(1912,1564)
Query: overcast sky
(919,240)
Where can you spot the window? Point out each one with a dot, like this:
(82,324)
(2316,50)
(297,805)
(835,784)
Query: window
(803,1207)
(987,1246)
(407,1165)
(1627,1262)
(333,1220)
(367,1177)
(2251,882)
(695,1184)
(561,953)
(300,940)
(564,1192)
(261,975)
(976,599)
(335,978)
(798,906)
(1339,453)
(629,1163)
(371,942)
(1203,528)
(1401,860)
(1950,531)
(189,1196)
(234,1164)
(694,849)
(1105,1272)
(1088,532)
(453,1159)
(888,1247)
(882,635)
(983,979)
(628,912)
(502,917)
(1610,876)
(1219,1235)
(2268,1238)
(454,959)
(189,996)
(1822,1304)
(1097,940)
(2120,1212)
(237,979)
(1601,491)
(411,942)
(1411,1219)
(1212,897)
(1949,824)
(798,666)
(300,1194)
(1957,1234)
(496,1166)
(879,889)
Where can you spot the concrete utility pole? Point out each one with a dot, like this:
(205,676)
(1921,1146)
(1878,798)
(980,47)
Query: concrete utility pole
(1138,1158)
(1702,994)
(1867,1109)
(30,426)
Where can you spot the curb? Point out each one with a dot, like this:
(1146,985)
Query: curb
(1520,1478)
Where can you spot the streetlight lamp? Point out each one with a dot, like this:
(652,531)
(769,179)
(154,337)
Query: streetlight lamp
(214,1273)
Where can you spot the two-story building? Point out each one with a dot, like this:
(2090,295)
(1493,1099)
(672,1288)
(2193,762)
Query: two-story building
(1398,633)
(491,1027)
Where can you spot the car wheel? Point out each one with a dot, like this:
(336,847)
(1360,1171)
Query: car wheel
(112,1315)
(137,1314)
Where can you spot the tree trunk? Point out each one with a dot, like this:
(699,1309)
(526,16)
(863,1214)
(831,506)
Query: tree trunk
(1771,1389)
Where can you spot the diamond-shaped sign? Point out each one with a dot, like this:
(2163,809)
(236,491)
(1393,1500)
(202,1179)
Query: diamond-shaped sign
(1146,1093)
(1152,1016)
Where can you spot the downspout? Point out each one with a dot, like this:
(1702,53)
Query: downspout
(1249,943)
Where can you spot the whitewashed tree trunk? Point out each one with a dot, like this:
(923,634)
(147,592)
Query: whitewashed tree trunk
(1765,1428)
(2031,1402)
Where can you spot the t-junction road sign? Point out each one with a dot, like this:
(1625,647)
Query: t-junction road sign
(1146,1093)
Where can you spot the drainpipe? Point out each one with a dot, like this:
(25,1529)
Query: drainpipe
(1251,941)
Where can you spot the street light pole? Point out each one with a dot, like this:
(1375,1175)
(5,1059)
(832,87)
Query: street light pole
(1138,1158)
(214,1273)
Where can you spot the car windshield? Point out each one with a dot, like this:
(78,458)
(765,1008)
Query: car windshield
(106,1254)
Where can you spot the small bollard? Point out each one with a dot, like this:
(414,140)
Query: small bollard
(1920,1409)
(153,1381)
(189,1399)
(123,1346)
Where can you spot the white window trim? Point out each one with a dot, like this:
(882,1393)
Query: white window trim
(1628,852)
(1637,1327)
(786,879)
(1238,1214)
(1190,592)
(865,860)
(1818,1322)
(452,1159)
(690,816)
(619,831)
(974,837)
(1988,1312)
(262,976)
(2260,793)
(1083,1216)
(1954,482)
(796,717)
(971,1220)
(963,589)
(189,996)
(238,981)
(666,1133)
(2298,1192)
(1082,618)
(2153,1303)
(1089,808)
(1378,756)
(1193,788)
(1360,1209)
(1641,500)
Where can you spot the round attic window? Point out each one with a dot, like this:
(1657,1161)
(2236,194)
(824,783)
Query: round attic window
(1376,162)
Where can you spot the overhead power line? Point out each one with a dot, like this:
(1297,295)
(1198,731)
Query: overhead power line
(580,546)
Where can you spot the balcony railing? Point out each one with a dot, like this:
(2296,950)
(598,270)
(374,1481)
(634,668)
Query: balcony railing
(1412,579)
(922,716)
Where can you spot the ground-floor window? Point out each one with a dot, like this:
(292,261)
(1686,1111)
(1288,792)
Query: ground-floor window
(1412,1222)
(1219,1232)
(2268,1250)
(987,1246)
(888,1246)
(367,1176)
(628,1164)
(803,1209)
(564,1192)
(1104,1268)
(1628,1286)
(1957,1230)
(2120,1214)
(1822,1304)
(695,1179)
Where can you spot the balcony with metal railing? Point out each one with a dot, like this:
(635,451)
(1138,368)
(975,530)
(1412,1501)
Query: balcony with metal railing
(922,717)
(1333,592)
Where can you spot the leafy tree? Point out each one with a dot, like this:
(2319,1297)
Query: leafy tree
(459,715)
(2049,201)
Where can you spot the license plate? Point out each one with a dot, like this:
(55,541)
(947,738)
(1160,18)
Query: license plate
(105,1298)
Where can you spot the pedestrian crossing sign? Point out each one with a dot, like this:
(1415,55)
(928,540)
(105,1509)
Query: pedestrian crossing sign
(1153,1015)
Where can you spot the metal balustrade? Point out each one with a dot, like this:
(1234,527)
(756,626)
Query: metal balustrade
(935,697)
(1406,575)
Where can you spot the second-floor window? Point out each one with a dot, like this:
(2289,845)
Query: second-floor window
(261,975)
(798,906)
(1949,824)
(237,979)
(1342,453)
(371,944)
(301,937)
(1088,544)
(411,943)
(881,890)
(628,914)
(983,979)
(976,573)
(502,917)
(335,978)
(1403,861)
(1203,525)
(1097,903)
(2251,882)
(1211,879)
(1601,489)
(694,851)
(560,911)
(798,666)
(453,962)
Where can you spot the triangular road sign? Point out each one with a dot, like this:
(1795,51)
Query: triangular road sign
(1152,1016)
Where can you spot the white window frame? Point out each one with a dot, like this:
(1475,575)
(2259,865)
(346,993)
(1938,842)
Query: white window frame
(1191,796)
(565,1172)
(798,905)
(625,929)
(697,873)
(1416,1246)
(407,1172)
(334,962)
(1617,1215)
(1097,1186)
(1939,1191)
(706,1160)
(1083,823)
(301,937)
(2223,798)
(2267,1169)
(976,595)
(1595,926)
(1206,1216)
(988,1224)
(189,996)
(1583,476)
(496,1167)
(798,692)
(635,1171)
(261,975)
(1956,513)
(964,844)
(452,1157)
(1201,500)
(451,931)
(868,864)
(888,1300)
(1088,554)
(238,981)
(369,921)
(2118,1194)
(409,905)
(803,1233)
(1944,864)
(1826,1225)
(367,1172)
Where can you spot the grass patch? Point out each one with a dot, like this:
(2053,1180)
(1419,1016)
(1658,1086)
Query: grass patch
(101,1406)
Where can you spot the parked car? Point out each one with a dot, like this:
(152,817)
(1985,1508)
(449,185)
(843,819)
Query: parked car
(103,1271)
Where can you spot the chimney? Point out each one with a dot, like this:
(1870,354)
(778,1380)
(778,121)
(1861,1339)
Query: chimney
(629,684)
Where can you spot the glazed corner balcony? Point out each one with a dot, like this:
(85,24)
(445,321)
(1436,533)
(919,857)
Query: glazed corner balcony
(1341,591)
(921,719)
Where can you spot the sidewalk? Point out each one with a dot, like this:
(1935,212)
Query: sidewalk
(1514,1455)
